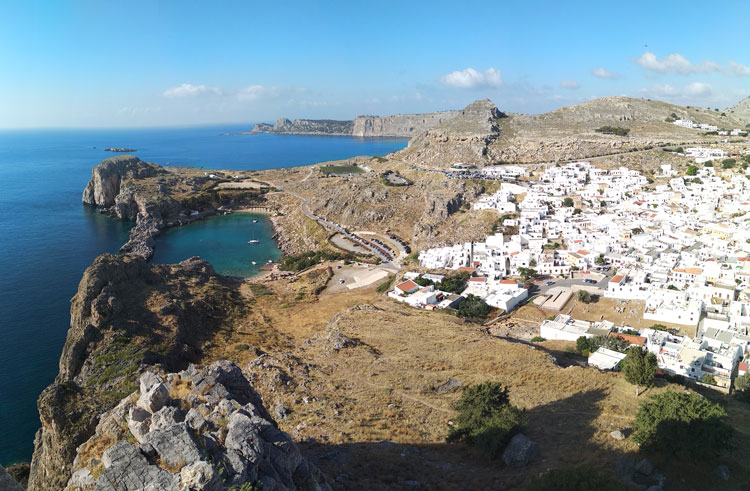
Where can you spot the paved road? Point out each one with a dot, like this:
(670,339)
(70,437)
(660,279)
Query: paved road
(391,264)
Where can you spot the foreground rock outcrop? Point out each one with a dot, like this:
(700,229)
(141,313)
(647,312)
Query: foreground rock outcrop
(127,316)
(199,429)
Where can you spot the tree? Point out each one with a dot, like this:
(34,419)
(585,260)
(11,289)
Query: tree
(473,307)
(708,164)
(455,282)
(577,211)
(728,163)
(691,170)
(742,387)
(599,260)
(526,273)
(486,418)
(583,345)
(568,202)
(639,368)
(584,296)
(707,378)
(658,327)
(674,422)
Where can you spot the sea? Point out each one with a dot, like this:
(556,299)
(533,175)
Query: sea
(48,237)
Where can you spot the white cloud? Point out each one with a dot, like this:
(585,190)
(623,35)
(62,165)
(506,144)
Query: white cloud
(570,84)
(602,72)
(190,90)
(694,90)
(674,63)
(470,78)
(255,92)
(738,69)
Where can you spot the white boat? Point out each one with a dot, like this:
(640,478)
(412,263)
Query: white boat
(253,241)
(253,263)
(255,221)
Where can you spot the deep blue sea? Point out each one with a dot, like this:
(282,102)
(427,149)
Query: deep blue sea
(47,237)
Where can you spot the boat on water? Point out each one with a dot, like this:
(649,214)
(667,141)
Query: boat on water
(253,241)
(255,221)
(253,263)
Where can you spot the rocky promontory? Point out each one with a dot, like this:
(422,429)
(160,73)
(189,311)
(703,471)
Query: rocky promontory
(156,197)
(395,125)
(198,429)
(126,317)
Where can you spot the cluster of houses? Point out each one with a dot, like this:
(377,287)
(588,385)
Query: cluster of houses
(714,353)
(682,247)
(687,123)
(500,294)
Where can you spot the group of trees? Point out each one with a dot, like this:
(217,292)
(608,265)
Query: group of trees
(473,308)
(613,130)
(486,418)
(452,283)
(585,346)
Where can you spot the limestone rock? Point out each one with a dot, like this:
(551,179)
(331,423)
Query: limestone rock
(155,398)
(185,451)
(7,483)
(520,451)
(617,435)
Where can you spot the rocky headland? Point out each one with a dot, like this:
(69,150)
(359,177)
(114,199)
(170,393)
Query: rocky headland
(156,197)
(395,125)
(127,316)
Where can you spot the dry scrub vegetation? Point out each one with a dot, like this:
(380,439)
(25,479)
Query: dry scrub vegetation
(373,414)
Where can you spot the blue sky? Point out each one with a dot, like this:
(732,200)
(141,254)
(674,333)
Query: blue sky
(150,63)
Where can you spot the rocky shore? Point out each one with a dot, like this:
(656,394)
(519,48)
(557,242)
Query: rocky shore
(156,198)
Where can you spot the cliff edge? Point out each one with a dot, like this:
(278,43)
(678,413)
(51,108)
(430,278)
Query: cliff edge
(126,316)
(199,429)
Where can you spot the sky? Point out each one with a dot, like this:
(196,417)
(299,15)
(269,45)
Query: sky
(160,63)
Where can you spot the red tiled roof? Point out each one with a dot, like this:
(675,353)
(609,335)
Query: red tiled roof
(582,252)
(407,285)
(639,340)
(508,282)
(742,367)
(616,279)
(478,279)
(466,268)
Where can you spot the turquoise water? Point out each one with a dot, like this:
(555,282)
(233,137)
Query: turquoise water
(222,241)
(48,238)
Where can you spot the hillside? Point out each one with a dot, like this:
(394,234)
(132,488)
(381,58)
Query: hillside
(565,133)
(740,111)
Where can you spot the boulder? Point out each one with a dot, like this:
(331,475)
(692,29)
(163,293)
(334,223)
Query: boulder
(175,445)
(200,476)
(520,451)
(617,435)
(166,416)
(722,471)
(7,483)
(155,398)
(126,469)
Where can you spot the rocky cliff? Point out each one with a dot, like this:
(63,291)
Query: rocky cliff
(395,125)
(125,317)
(464,138)
(306,127)
(399,125)
(198,429)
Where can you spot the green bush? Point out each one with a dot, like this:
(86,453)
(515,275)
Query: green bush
(691,170)
(537,339)
(613,130)
(575,479)
(688,423)
(386,285)
(473,307)
(454,282)
(728,163)
(639,368)
(305,260)
(486,418)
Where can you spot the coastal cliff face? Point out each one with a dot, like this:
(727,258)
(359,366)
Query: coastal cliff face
(395,125)
(306,127)
(399,125)
(125,317)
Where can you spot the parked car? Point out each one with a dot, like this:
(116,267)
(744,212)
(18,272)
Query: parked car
(550,283)
(590,282)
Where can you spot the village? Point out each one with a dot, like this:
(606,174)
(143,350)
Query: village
(576,232)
